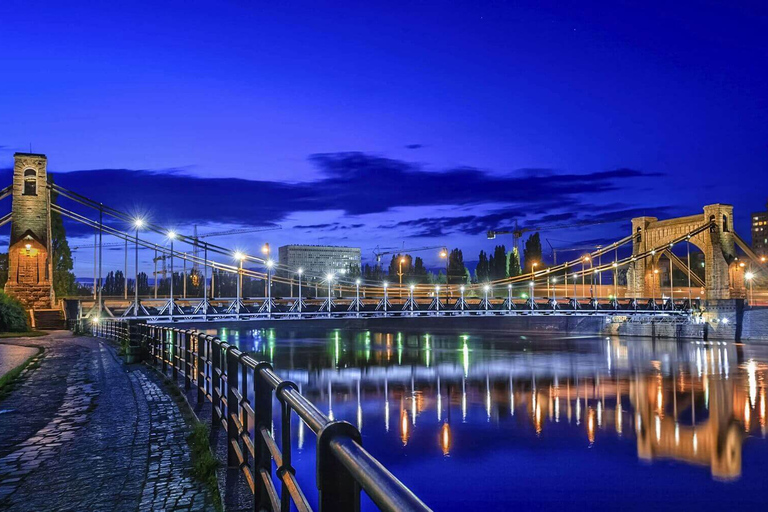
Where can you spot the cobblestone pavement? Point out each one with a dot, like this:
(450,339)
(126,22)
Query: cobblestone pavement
(86,432)
(12,356)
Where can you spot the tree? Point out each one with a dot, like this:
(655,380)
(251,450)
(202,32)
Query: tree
(63,277)
(498,266)
(513,263)
(456,269)
(532,253)
(483,269)
(419,271)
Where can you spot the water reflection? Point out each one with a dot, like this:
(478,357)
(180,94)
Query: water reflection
(689,402)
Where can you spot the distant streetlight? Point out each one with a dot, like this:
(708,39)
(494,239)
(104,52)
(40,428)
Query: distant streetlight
(749,276)
(437,298)
(138,223)
(270,264)
(533,294)
(486,289)
(239,256)
(444,255)
(329,278)
(299,272)
(400,275)
(171,236)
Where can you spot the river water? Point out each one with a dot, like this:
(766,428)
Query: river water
(493,421)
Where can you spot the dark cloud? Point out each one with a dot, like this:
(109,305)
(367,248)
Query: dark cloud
(579,217)
(407,146)
(355,183)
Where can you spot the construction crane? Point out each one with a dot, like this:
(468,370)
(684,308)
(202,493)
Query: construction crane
(395,250)
(517,232)
(570,249)
(195,273)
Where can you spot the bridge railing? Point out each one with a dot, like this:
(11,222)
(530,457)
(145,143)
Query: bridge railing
(241,391)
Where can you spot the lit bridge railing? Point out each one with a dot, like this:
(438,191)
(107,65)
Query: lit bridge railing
(157,310)
(241,390)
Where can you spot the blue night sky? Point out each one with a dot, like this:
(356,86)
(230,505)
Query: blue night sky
(365,124)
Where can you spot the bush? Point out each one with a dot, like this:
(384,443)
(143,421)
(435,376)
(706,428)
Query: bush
(13,316)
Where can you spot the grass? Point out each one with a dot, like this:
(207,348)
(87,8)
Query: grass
(204,464)
(8,380)
(27,334)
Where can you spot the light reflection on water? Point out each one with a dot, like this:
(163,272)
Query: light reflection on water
(487,417)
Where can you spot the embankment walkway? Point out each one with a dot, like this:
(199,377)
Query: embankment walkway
(83,431)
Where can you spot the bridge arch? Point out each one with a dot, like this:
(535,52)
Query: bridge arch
(717,245)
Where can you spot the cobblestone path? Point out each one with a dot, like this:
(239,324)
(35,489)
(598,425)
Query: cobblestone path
(86,432)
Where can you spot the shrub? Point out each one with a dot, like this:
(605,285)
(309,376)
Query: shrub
(13,316)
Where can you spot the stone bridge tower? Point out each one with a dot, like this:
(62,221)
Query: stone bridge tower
(723,277)
(30,268)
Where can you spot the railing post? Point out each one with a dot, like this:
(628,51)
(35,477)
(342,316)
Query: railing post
(163,342)
(233,407)
(285,439)
(215,381)
(187,362)
(337,488)
(174,353)
(262,461)
(200,377)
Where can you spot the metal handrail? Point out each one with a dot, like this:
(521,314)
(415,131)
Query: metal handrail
(240,390)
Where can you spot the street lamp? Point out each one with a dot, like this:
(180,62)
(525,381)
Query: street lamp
(171,236)
(554,288)
(411,298)
(265,250)
(329,278)
(400,276)
(437,297)
(653,285)
(357,296)
(486,289)
(749,276)
(444,255)
(239,256)
(584,261)
(138,223)
(270,264)
(299,272)
(461,289)
(533,294)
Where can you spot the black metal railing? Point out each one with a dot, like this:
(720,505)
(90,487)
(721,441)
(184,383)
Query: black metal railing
(241,391)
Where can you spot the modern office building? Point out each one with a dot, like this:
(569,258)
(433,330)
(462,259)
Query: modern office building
(760,232)
(319,259)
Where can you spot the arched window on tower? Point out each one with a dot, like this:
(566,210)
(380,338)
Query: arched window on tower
(713,226)
(30,182)
(639,236)
(725,223)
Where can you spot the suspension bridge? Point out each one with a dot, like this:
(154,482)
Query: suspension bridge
(588,285)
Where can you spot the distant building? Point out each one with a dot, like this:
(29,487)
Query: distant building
(760,232)
(319,259)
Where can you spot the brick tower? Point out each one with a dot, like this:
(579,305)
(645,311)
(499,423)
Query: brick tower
(29,264)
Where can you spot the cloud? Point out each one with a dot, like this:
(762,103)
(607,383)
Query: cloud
(353,183)
(414,146)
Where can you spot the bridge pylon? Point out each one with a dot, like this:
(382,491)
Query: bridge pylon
(30,267)
(722,274)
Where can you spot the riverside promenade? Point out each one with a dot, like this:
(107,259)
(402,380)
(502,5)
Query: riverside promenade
(81,430)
